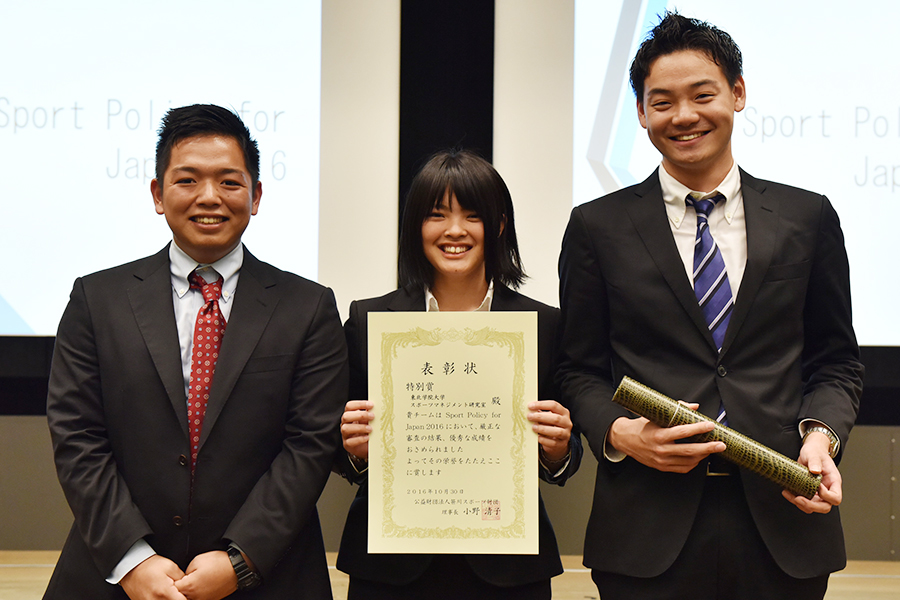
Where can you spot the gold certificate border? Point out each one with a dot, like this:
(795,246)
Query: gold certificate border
(487,336)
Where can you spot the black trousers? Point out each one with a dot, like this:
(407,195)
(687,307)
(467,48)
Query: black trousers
(449,577)
(724,558)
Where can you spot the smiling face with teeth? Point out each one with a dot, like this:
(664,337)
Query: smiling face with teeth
(453,242)
(207,196)
(688,111)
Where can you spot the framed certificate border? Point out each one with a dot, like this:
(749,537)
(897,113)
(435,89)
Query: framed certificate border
(510,338)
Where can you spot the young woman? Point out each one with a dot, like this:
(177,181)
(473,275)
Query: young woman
(458,251)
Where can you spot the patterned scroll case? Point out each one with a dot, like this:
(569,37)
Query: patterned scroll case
(740,449)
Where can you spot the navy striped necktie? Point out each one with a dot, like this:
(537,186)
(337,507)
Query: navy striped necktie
(710,277)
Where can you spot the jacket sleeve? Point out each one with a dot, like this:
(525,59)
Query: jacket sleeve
(284,498)
(832,373)
(549,337)
(105,515)
(354,333)
(584,373)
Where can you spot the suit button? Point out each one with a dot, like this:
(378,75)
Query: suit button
(177,521)
(182,460)
(722,371)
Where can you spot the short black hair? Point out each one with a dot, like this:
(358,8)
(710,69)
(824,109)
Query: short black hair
(204,119)
(675,33)
(477,187)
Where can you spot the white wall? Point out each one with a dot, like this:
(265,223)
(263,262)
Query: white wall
(360,148)
(533,128)
(360,141)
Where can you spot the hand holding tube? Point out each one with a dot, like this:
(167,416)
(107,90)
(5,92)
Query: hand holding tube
(740,449)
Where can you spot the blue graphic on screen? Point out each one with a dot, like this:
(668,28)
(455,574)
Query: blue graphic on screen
(10,321)
(616,125)
(629,127)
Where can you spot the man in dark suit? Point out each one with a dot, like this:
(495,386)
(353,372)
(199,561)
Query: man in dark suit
(180,491)
(753,327)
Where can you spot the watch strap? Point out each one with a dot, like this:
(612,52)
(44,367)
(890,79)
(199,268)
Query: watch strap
(832,439)
(247,577)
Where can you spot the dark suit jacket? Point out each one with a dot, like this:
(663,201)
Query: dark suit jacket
(399,569)
(628,308)
(118,420)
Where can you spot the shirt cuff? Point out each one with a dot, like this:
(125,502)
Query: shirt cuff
(138,553)
(360,465)
(610,453)
(556,473)
(805,424)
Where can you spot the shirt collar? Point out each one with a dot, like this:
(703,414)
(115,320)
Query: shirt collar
(674,192)
(181,265)
(431,303)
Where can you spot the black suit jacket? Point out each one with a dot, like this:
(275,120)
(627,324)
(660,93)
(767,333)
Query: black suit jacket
(118,420)
(628,308)
(398,569)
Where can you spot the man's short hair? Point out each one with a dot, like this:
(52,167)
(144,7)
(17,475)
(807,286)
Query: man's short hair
(477,187)
(204,119)
(675,33)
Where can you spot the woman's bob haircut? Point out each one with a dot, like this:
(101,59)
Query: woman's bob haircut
(477,187)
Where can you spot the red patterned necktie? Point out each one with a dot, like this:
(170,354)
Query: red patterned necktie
(208,332)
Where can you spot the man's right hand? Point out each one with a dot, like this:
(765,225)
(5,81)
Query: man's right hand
(355,427)
(153,579)
(656,446)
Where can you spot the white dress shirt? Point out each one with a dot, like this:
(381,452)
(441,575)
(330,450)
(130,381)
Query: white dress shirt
(187,304)
(726,223)
(431,303)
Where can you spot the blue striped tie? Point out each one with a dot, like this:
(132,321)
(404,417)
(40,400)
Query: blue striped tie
(710,277)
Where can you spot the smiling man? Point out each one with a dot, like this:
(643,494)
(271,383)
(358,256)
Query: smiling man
(195,396)
(732,294)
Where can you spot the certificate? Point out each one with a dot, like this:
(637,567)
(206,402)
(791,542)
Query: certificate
(453,460)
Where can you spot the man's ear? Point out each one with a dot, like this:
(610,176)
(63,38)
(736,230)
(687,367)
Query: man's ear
(156,192)
(641,116)
(740,94)
(257,195)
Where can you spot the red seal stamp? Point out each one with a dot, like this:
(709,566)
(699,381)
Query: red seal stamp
(490,510)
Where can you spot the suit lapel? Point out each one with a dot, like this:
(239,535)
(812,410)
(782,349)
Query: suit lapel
(255,300)
(761,214)
(151,303)
(647,213)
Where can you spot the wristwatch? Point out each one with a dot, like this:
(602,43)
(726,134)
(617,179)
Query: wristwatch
(832,439)
(247,577)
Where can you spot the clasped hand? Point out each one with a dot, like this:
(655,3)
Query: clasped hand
(210,576)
